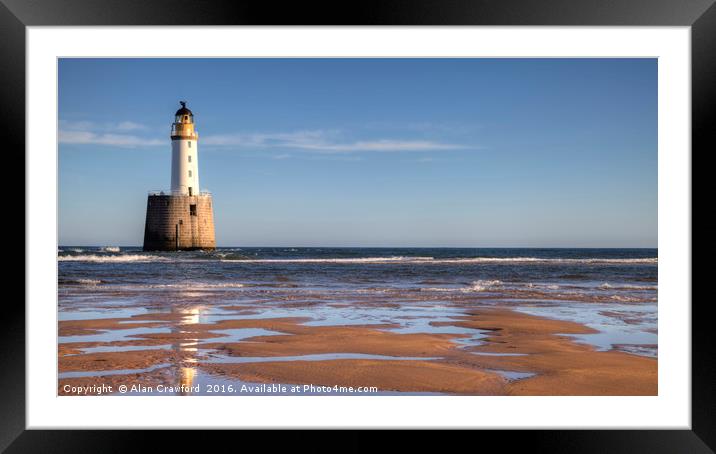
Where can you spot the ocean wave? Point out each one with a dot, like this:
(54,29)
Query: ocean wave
(113,254)
(589,288)
(112,258)
(87,282)
(531,285)
(608,286)
(476,286)
(482,285)
(457,261)
(198,285)
(339,260)
(650,260)
(179,286)
(627,298)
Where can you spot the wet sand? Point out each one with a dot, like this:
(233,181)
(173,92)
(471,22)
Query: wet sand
(514,344)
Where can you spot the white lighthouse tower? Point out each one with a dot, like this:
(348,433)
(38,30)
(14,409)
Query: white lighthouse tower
(183,219)
(185,156)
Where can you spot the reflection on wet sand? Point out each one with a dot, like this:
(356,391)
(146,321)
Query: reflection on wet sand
(187,370)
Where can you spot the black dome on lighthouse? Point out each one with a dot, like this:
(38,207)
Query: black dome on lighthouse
(183,110)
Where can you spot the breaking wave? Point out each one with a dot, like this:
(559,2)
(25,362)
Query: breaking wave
(345,257)
(112,258)
(608,286)
(476,286)
(197,285)
(87,282)
(393,259)
(431,260)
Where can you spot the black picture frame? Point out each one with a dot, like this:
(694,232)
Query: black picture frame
(700,15)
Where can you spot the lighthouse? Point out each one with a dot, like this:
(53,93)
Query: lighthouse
(181,219)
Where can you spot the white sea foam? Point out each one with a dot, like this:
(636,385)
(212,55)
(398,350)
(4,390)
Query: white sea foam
(627,298)
(638,287)
(471,260)
(198,285)
(608,286)
(343,260)
(222,256)
(653,260)
(531,285)
(88,281)
(476,286)
(112,258)
(480,285)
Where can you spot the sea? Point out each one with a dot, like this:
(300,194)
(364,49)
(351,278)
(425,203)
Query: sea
(611,290)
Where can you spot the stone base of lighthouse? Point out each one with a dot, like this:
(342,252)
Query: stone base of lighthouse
(179,223)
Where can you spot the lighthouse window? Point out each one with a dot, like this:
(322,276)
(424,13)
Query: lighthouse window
(189,156)
(189,145)
(192,210)
(190,174)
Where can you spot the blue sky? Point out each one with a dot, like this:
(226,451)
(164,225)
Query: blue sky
(369,152)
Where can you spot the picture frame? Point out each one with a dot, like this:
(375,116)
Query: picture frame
(16,15)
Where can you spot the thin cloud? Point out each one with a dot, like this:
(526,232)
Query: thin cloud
(129,126)
(110,134)
(77,125)
(323,142)
(273,140)
(425,126)
(384,145)
(123,134)
(119,140)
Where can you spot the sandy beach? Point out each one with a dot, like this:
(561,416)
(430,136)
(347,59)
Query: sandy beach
(519,354)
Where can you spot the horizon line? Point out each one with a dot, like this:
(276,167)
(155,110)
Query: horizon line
(389,247)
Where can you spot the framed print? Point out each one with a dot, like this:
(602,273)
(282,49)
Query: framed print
(237,223)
